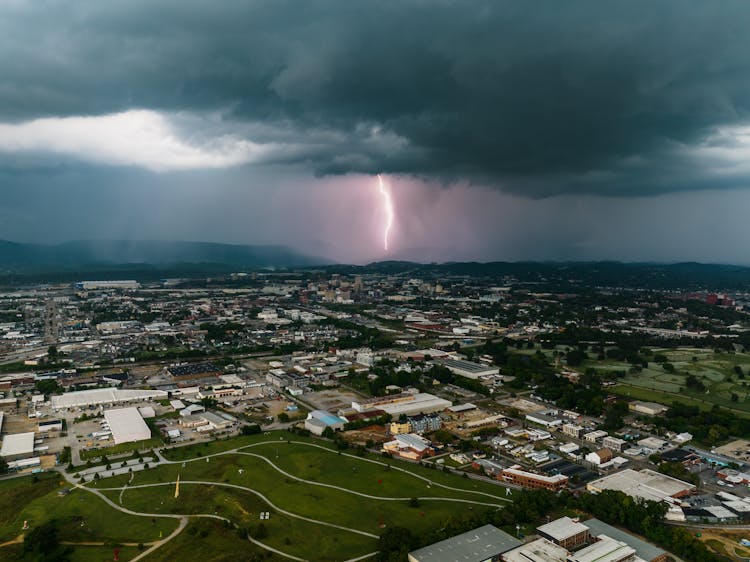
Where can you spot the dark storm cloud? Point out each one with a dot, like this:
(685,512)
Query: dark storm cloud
(538,98)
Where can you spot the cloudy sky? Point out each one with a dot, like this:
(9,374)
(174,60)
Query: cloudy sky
(503,130)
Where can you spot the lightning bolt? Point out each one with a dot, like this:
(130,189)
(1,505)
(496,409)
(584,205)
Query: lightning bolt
(388,208)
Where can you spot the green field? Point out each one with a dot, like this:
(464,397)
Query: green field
(82,518)
(207,540)
(296,483)
(714,370)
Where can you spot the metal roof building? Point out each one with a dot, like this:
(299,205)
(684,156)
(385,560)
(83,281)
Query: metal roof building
(646,484)
(102,396)
(644,550)
(481,544)
(17,445)
(540,550)
(127,425)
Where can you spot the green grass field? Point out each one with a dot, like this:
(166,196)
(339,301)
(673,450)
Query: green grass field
(715,371)
(207,540)
(82,517)
(261,465)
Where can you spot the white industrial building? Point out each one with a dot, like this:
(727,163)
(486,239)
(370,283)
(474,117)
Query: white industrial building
(468,369)
(17,446)
(645,484)
(118,284)
(103,396)
(127,425)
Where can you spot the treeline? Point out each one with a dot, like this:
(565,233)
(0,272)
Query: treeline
(530,507)
(709,426)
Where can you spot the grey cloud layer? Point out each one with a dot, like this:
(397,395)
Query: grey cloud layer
(538,98)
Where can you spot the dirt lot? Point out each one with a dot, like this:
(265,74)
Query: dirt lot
(18,424)
(739,449)
(523,405)
(331,400)
(376,433)
(725,543)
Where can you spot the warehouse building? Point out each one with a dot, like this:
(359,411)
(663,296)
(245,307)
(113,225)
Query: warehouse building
(643,550)
(483,544)
(540,550)
(127,425)
(319,420)
(647,408)
(17,446)
(543,419)
(605,549)
(103,397)
(468,369)
(645,484)
(407,403)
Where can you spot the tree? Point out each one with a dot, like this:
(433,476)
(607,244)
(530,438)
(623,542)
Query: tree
(47,386)
(394,544)
(250,429)
(44,544)
(283,417)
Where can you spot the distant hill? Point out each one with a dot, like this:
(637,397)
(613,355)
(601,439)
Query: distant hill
(83,255)
(561,276)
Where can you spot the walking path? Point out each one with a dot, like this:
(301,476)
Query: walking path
(183,519)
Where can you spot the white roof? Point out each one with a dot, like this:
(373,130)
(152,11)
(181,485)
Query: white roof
(604,550)
(646,484)
(99,396)
(127,425)
(563,528)
(177,404)
(540,550)
(413,441)
(422,403)
(17,444)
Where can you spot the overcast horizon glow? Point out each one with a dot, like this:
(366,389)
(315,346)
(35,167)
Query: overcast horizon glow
(579,131)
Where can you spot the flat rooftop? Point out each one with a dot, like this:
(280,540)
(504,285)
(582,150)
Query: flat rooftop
(468,366)
(473,546)
(643,550)
(605,549)
(540,550)
(127,425)
(646,484)
(17,444)
(563,528)
(98,396)
(422,403)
